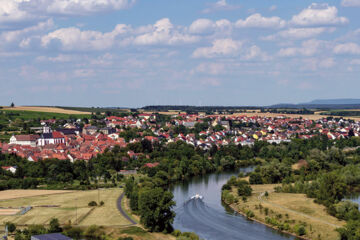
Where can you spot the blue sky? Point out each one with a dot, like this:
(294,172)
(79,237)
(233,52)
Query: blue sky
(205,52)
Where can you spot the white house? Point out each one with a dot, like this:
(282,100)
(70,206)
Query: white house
(11,169)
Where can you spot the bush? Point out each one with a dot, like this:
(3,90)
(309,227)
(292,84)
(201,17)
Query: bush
(102,203)
(299,229)
(92,204)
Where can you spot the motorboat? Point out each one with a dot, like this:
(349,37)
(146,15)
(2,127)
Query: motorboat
(197,196)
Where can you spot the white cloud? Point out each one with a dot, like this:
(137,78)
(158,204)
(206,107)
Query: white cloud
(60,58)
(15,11)
(350,3)
(299,33)
(220,47)
(73,7)
(347,48)
(10,12)
(210,68)
(220,5)
(258,21)
(74,39)
(272,8)
(163,32)
(318,15)
(204,26)
(308,48)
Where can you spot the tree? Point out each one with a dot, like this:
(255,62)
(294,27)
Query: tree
(11,226)
(54,226)
(12,105)
(155,209)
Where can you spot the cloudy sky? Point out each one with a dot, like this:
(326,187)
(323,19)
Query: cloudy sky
(205,52)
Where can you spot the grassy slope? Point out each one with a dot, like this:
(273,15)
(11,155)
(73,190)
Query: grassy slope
(29,115)
(319,225)
(105,215)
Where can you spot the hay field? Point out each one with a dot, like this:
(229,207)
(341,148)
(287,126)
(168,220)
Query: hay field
(295,208)
(11,194)
(68,206)
(46,109)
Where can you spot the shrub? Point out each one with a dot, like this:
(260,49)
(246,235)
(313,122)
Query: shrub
(92,204)
(11,226)
(299,229)
(102,203)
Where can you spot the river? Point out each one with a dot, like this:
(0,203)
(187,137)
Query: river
(209,218)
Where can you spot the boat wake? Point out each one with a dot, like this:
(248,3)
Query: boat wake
(212,224)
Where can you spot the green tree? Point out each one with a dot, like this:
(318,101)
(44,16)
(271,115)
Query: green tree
(155,209)
(54,226)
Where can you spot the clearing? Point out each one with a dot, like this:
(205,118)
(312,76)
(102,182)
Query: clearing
(66,206)
(290,208)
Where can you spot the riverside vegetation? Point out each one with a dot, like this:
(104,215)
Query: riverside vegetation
(332,165)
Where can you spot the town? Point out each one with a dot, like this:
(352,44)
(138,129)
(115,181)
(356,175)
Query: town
(73,142)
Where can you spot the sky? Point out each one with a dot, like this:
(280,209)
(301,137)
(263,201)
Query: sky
(132,53)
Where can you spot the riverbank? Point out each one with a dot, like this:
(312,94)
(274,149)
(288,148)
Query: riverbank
(293,214)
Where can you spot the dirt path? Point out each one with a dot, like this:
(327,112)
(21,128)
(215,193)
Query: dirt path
(261,195)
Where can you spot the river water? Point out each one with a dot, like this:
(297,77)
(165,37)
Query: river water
(209,218)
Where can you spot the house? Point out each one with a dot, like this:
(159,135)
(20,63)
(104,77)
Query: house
(89,130)
(50,236)
(151,165)
(107,130)
(11,169)
(24,140)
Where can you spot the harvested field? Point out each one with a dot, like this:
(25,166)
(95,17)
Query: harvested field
(9,211)
(11,194)
(66,206)
(46,109)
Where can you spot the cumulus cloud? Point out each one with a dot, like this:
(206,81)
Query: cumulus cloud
(220,47)
(350,3)
(203,25)
(24,36)
(163,32)
(318,15)
(258,21)
(308,48)
(74,39)
(299,33)
(10,12)
(347,48)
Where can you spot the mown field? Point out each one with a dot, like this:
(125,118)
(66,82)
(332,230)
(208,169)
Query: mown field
(46,109)
(66,206)
(292,209)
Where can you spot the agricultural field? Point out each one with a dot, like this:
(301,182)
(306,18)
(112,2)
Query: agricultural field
(47,110)
(65,206)
(291,208)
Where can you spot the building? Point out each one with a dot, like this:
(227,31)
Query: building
(50,236)
(107,130)
(11,169)
(24,140)
(90,130)
(51,138)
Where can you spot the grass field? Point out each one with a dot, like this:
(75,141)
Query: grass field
(30,115)
(46,109)
(12,194)
(66,206)
(292,208)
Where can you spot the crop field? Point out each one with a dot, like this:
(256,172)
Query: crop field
(293,208)
(46,109)
(65,206)
(11,194)
(9,211)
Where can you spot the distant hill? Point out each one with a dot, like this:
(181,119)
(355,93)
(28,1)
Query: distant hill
(341,101)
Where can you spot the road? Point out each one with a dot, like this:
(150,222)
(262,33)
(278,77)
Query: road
(121,210)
